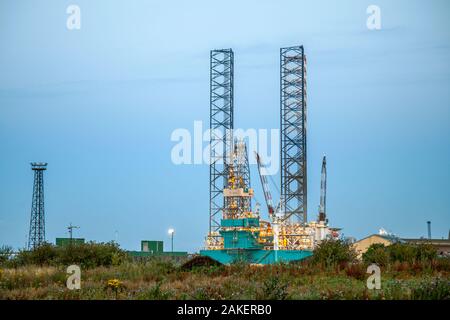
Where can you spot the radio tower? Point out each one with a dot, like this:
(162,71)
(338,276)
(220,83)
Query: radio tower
(37,222)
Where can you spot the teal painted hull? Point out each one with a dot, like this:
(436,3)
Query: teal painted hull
(256,256)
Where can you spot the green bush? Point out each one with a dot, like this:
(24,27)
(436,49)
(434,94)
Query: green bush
(356,270)
(161,267)
(402,252)
(376,253)
(425,252)
(441,264)
(399,254)
(5,254)
(45,254)
(436,289)
(402,255)
(90,255)
(154,293)
(87,255)
(333,253)
(274,289)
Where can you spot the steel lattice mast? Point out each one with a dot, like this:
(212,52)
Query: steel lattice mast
(293,133)
(36,235)
(221,126)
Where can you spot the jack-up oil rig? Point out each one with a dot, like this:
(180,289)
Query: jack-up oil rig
(236,232)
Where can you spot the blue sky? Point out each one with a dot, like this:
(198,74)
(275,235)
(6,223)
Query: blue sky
(99,105)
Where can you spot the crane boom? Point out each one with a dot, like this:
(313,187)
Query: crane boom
(265,186)
(323,191)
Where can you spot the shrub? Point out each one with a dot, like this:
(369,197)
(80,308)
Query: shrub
(154,293)
(376,253)
(87,255)
(332,253)
(45,254)
(162,266)
(402,256)
(90,255)
(5,254)
(425,252)
(274,289)
(411,253)
(206,293)
(356,270)
(398,266)
(437,289)
(402,252)
(441,264)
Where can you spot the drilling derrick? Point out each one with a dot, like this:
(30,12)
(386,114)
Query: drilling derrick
(293,134)
(238,179)
(36,234)
(239,225)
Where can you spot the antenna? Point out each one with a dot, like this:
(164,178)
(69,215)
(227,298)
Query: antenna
(70,228)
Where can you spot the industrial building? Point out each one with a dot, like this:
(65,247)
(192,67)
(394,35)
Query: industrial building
(151,248)
(236,231)
(362,245)
(442,245)
(63,242)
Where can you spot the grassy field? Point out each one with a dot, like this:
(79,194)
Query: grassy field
(162,279)
(333,272)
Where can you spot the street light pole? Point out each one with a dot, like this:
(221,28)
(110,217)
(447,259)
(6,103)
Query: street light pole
(171,232)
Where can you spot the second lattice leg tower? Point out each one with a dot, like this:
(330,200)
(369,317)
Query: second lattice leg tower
(293,133)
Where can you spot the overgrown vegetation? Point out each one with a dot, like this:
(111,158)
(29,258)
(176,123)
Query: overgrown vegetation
(400,253)
(5,254)
(87,255)
(332,273)
(334,254)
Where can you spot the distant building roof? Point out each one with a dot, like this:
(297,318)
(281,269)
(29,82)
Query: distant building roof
(391,238)
(445,242)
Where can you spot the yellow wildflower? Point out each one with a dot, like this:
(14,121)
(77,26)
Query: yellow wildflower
(114,283)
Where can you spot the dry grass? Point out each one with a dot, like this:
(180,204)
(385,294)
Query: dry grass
(162,280)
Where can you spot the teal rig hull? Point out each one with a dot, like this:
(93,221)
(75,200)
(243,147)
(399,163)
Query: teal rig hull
(256,256)
(240,243)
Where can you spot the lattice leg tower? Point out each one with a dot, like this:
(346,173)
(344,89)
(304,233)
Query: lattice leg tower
(293,133)
(221,125)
